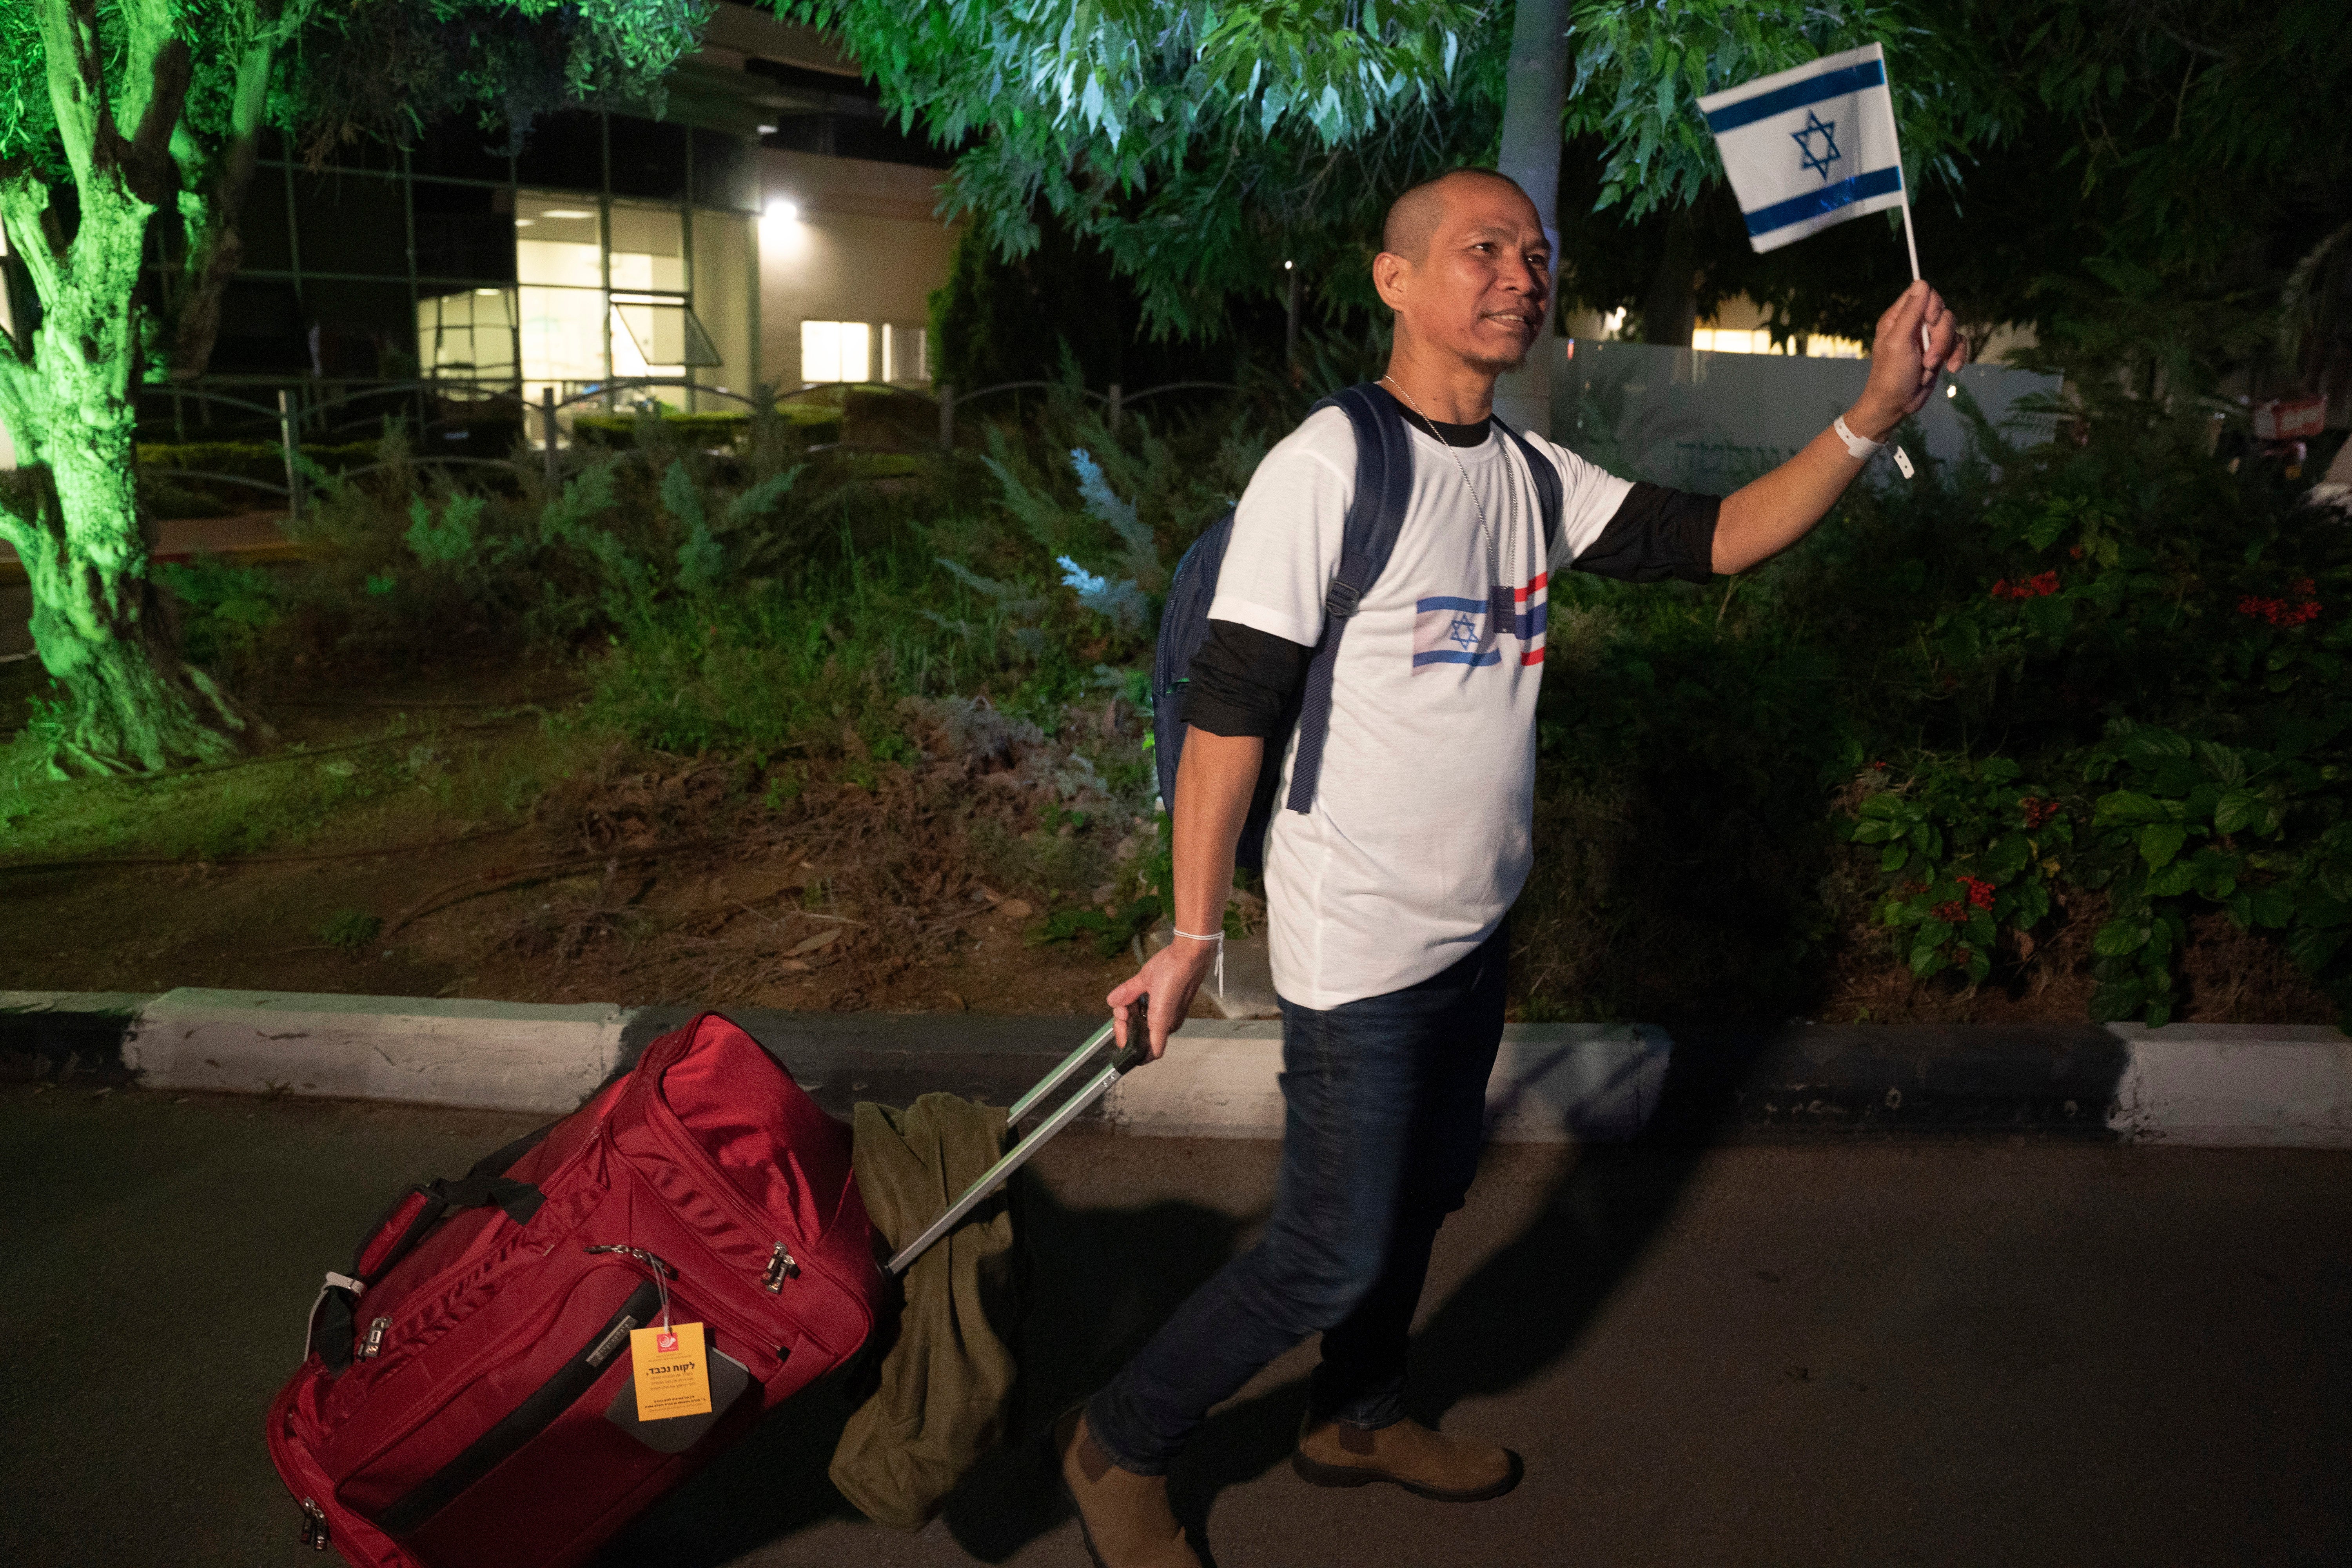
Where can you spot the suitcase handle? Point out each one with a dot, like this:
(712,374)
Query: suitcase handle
(1137,1052)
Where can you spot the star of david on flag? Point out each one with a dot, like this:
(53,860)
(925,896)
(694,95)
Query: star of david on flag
(1810,147)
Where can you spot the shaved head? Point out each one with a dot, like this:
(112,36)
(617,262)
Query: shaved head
(1414,216)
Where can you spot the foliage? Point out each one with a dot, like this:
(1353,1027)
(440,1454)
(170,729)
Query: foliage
(1111,928)
(350,930)
(1639,70)
(2159,658)
(2173,140)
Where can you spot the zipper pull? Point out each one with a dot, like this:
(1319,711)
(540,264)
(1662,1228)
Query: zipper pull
(640,1254)
(374,1345)
(314,1525)
(780,1267)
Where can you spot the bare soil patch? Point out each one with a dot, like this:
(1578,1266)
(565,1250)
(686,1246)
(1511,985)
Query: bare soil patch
(519,859)
(491,843)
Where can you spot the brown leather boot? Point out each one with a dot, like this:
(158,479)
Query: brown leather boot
(1124,1518)
(1425,1463)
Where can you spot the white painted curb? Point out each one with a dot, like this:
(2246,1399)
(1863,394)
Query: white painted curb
(2237,1085)
(502,1056)
(1553,1083)
(2254,1086)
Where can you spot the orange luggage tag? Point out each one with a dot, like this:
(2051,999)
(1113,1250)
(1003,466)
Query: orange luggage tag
(671,1369)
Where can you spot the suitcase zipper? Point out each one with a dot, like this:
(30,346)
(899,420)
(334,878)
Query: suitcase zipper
(373,1345)
(782,1266)
(314,1525)
(412,1511)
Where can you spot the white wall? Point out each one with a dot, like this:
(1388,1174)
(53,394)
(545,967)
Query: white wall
(1710,422)
(864,247)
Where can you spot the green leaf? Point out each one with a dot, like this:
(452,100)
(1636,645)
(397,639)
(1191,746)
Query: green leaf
(1894,857)
(1927,959)
(2160,842)
(2120,938)
(2125,805)
(2239,810)
(2217,872)
(2149,746)
(2272,906)
(2009,855)
(2173,879)
(2312,949)
(2313,908)
(2223,763)
(2118,999)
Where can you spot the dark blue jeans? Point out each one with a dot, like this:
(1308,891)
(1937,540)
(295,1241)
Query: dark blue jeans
(1386,1111)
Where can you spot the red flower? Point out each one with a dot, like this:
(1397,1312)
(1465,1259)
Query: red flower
(2278,612)
(2283,613)
(2042,584)
(2036,810)
(1950,909)
(1980,893)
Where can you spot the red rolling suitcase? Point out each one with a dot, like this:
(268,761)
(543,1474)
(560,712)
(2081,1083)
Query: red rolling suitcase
(466,1397)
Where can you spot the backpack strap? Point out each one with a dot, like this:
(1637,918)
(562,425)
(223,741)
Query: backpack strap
(1375,517)
(1549,502)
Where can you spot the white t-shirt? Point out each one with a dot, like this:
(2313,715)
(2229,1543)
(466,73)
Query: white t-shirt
(1419,836)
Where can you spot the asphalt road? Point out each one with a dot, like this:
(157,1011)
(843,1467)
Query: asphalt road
(1962,1354)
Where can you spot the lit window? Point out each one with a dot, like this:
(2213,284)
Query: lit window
(837,351)
(904,353)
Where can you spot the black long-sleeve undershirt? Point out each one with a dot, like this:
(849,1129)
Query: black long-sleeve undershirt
(1244,682)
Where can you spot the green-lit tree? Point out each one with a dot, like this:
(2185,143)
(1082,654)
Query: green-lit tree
(127,132)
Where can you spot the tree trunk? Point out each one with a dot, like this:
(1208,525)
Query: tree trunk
(1670,307)
(130,703)
(1534,90)
(68,395)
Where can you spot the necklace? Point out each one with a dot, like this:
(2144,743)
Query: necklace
(1510,484)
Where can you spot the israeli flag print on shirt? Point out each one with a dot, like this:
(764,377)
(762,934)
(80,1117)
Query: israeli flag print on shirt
(1451,630)
(1809,148)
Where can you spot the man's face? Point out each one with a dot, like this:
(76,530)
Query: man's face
(1480,291)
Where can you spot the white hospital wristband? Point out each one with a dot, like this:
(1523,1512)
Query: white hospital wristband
(1860,448)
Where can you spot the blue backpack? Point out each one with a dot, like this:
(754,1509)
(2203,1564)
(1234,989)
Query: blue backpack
(1375,517)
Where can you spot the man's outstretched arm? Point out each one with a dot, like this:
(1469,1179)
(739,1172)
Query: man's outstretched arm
(1765,516)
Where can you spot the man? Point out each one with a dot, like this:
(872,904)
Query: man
(1386,899)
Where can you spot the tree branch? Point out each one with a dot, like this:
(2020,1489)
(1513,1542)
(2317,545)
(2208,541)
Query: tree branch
(74,62)
(24,211)
(212,192)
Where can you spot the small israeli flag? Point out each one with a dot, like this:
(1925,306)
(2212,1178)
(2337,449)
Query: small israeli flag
(1810,147)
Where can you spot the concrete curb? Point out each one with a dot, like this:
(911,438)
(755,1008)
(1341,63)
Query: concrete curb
(2212,1085)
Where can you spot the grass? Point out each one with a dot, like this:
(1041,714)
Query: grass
(406,779)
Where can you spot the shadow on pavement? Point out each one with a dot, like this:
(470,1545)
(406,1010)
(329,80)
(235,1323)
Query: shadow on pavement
(1098,1281)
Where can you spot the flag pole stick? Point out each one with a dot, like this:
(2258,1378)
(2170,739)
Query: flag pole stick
(1910,239)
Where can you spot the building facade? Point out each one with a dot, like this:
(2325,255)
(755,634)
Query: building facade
(770,227)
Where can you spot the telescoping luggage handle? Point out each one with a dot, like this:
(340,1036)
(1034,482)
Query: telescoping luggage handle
(1137,1052)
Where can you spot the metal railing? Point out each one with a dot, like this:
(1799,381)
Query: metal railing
(292,413)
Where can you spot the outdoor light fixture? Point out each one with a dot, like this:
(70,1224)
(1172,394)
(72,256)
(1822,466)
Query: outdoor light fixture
(566,212)
(784,211)
(1285,266)
(525,221)
(493,292)
(767,131)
